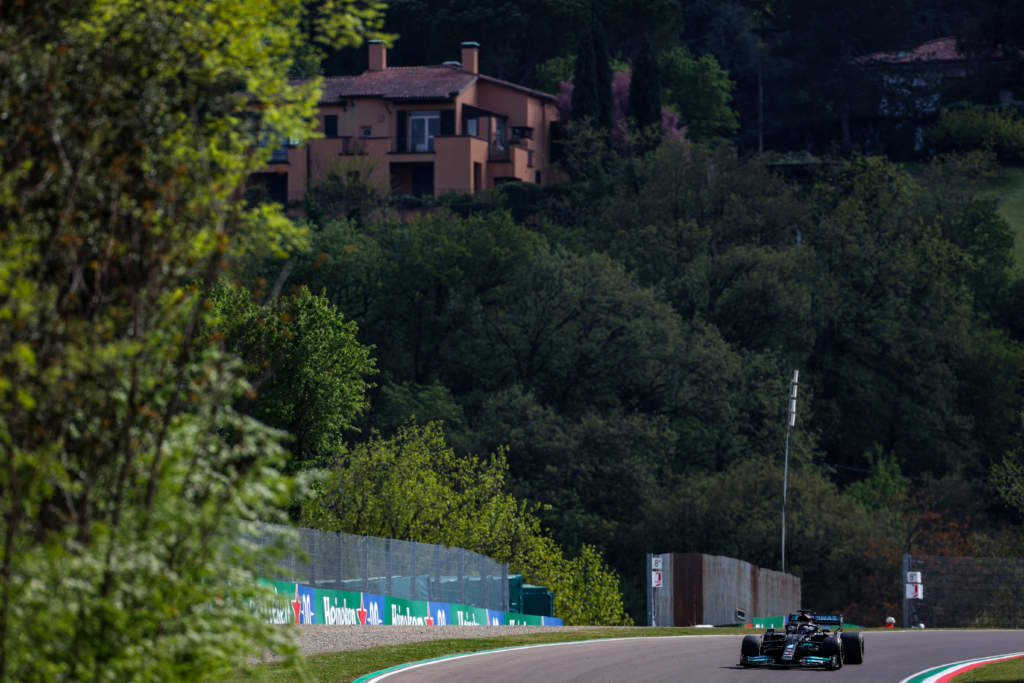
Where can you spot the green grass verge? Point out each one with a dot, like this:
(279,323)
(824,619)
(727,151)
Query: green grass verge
(1010,671)
(346,666)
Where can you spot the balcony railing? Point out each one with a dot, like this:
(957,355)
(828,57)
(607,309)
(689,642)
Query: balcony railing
(495,151)
(407,146)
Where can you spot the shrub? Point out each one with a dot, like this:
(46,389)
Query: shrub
(962,130)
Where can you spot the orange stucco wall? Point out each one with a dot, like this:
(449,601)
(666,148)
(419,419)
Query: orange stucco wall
(454,156)
(459,153)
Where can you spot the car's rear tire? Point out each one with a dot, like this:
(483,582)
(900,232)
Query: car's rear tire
(853,648)
(751,646)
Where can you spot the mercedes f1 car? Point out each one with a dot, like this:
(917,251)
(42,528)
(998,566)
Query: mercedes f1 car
(806,640)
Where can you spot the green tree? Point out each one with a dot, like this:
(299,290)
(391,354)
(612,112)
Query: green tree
(308,373)
(416,288)
(128,480)
(825,532)
(553,72)
(700,91)
(603,78)
(645,90)
(1008,476)
(423,491)
(899,335)
(585,102)
(592,81)
(815,80)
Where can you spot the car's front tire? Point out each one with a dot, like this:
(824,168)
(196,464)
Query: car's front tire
(833,648)
(853,648)
(751,646)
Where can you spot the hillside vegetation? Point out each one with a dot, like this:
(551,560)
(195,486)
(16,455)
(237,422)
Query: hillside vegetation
(623,345)
(564,377)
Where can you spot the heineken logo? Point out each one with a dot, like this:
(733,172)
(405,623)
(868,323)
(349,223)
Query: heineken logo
(341,615)
(407,619)
(466,619)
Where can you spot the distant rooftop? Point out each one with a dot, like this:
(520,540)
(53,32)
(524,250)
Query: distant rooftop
(938,50)
(412,83)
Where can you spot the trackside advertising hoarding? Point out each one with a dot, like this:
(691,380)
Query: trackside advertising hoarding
(294,603)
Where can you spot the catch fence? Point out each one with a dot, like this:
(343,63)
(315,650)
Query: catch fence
(963,592)
(399,569)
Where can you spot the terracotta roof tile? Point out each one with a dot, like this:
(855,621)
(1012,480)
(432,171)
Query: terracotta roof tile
(938,50)
(399,82)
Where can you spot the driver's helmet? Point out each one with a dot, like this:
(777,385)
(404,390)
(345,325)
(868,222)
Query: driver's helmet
(807,627)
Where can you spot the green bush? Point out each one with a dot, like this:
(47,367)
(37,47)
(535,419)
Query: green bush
(962,130)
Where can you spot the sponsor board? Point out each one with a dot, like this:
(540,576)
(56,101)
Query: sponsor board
(441,613)
(466,615)
(409,613)
(304,605)
(293,603)
(341,608)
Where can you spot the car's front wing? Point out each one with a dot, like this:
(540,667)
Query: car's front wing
(768,660)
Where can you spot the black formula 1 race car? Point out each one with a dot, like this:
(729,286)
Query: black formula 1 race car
(807,640)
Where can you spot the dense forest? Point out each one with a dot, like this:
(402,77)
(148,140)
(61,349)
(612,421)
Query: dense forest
(624,341)
(562,377)
(635,361)
(793,75)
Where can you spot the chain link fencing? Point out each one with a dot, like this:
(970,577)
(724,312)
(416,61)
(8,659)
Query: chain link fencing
(963,592)
(398,569)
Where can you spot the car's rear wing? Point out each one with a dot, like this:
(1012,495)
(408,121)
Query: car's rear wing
(826,620)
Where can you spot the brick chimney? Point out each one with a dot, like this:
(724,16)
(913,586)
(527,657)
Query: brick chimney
(378,55)
(471,57)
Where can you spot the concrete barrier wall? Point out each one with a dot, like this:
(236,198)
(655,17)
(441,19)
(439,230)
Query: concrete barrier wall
(778,593)
(711,589)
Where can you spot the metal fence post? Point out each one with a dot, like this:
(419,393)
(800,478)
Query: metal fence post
(906,600)
(504,587)
(462,576)
(314,546)
(388,569)
(650,589)
(412,572)
(483,581)
(339,573)
(366,562)
(435,589)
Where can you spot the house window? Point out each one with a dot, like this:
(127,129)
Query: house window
(473,127)
(499,145)
(330,126)
(278,155)
(366,131)
(424,126)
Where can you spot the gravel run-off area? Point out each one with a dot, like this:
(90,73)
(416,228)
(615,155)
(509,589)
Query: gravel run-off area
(318,639)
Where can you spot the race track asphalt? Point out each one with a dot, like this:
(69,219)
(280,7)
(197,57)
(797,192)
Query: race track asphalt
(889,656)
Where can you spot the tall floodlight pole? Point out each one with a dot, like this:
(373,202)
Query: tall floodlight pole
(790,422)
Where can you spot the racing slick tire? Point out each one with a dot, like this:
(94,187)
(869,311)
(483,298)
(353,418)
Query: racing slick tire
(832,647)
(751,647)
(853,648)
